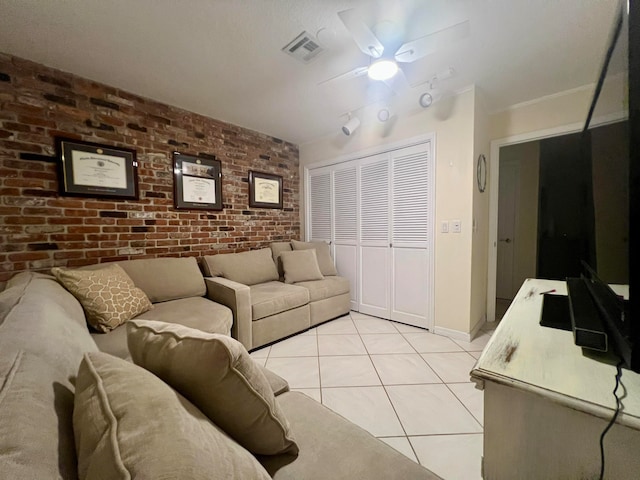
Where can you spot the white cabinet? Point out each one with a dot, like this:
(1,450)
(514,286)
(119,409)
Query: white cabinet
(377,213)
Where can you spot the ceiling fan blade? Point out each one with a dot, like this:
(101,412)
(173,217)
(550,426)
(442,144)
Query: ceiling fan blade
(423,46)
(362,34)
(355,73)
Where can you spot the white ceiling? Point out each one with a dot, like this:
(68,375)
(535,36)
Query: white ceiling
(223,58)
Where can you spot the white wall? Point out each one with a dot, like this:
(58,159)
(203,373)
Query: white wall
(452,121)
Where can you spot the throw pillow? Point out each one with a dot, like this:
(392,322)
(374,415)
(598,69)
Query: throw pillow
(322,251)
(216,373)
(300,266)
(108,295)
(248,268)
(129,424)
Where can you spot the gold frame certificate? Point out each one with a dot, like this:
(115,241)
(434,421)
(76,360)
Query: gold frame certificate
(94,170)
(265,190)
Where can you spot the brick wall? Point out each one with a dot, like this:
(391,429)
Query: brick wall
(40,229)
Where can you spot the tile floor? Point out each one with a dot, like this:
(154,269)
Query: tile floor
(406,386)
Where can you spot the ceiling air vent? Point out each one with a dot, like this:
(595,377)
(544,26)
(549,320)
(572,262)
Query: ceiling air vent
(304,47)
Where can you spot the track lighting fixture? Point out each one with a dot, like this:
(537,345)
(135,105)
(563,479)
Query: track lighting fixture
(384,114)
(351,126)
(425,100)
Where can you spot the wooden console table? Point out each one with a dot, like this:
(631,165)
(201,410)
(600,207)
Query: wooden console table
(546,401)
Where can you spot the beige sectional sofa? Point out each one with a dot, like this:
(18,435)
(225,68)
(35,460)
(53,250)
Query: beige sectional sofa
(43,341)
(178,293)
(267,306)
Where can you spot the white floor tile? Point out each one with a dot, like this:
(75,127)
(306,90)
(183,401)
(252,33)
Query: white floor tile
(340,345)
(311,392)
(402,445)
(477,344)
(300,372)
(451,367)
(311,331)
(428,342)
(298,346)
(431,409)
(471,397)
(368,407)
(261,352)
(475,355)
(338,326)
(403,369)
(404,328)
(374,325)
(347,371)
(386,343)
(454,457)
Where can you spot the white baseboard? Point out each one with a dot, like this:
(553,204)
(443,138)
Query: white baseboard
(457,334)
(448,332)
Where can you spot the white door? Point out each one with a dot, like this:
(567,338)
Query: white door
(320,207)
(412,229)
(507,199)
(345,225)
(374,251)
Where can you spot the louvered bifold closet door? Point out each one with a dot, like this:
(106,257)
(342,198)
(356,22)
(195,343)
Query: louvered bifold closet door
(345,225)
(374,258)
(320,205)
(412,223)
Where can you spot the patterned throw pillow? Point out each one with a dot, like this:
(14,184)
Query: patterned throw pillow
(108,295)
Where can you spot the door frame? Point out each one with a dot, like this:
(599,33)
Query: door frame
(494,174)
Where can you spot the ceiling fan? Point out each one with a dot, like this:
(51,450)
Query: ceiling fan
(387,49)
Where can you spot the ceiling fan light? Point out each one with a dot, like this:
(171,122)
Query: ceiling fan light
(382,70)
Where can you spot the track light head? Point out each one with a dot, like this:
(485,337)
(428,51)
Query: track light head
(351,126)
(425,100)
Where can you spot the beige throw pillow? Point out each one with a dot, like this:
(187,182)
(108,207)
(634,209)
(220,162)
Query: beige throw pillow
(322,251)
(248,268)
(108,295)
(129,424)
(300,266)
(217,374)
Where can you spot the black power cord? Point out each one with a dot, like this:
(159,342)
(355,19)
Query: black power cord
(613,419)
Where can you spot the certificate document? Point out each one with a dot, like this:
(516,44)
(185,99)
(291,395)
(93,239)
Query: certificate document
(198,190)
(266,191)
(96,170)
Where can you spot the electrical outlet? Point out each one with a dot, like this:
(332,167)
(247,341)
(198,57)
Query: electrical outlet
(456,226)
(444,228)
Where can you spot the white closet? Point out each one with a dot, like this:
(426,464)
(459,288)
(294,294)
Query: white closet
(377,214)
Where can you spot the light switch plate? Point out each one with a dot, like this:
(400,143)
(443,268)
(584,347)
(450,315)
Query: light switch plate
(456,226)
(444,228)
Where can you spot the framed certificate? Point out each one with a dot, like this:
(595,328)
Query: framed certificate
(93,170)
(265,190)
(197,182)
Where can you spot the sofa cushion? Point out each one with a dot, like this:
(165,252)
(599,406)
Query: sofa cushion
(324,255)
(276,249)
(300,266)
(130,424)
(272,298)
(194,312)
(332,447)
(36,407)
(326,288)
(108,296)
(163,279)
(248,268)
(217,374)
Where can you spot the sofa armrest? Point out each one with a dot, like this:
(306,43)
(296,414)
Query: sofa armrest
(237,297)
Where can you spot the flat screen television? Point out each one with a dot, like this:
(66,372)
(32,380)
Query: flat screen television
(619,78)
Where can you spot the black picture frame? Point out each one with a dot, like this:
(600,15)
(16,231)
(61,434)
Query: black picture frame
(197,182)
(265,190)
(87,169)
